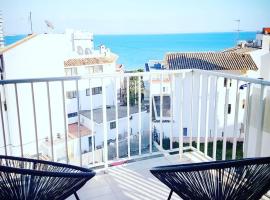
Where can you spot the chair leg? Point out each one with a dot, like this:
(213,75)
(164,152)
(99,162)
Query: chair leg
(170,195)
(76,196)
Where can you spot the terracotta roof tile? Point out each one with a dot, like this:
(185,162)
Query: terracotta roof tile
(90,61)
(73,130)
(210,61)
(239,49)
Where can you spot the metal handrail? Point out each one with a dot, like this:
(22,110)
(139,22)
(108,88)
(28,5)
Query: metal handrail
(113,75)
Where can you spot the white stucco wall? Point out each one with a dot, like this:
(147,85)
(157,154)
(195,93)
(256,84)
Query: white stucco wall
(254,124)
(39,57)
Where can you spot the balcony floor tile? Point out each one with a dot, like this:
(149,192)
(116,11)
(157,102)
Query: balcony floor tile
(131,181)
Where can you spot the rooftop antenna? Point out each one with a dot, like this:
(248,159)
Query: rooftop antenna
(30,19)
(238,30)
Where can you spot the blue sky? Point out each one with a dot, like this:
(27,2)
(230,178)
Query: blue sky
(137,16)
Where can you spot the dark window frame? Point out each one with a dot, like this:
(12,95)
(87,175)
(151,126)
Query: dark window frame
(185,132)
(73,94)
(74,114)
(229,108)
(96,90)
(113,125)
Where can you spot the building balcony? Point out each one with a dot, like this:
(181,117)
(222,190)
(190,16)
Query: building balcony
(199,116)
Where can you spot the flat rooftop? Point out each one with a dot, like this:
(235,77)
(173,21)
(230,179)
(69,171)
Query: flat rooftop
(122,112)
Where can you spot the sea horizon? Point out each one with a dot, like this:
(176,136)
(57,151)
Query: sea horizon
(134,50)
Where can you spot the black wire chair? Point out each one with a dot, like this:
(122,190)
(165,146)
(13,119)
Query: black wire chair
(233,179)
(29,179)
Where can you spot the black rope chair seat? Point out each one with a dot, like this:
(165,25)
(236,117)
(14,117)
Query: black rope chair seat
(29,179)
(233,179)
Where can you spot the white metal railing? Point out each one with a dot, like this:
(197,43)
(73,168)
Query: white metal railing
(193,122)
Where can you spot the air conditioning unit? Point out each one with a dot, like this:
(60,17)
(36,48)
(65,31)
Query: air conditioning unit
(79,50)
(88,51)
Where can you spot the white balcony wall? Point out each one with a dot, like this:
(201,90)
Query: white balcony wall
(26,114)
(252,142)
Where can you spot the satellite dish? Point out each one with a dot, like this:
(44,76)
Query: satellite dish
(49,24)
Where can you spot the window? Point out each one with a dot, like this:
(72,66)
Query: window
(98,69)
(89,70)
(112,125)
(184,131)
(166,106)
(90,143)
(243,104)
(94,69)
(72,114)
(96,90)
(87,92)
(164,89)
(71,94)
(71,71)
(225,82)
(229,108)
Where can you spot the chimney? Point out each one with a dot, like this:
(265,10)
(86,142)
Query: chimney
(1,31)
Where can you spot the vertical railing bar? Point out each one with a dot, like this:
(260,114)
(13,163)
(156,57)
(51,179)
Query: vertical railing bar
(237,96)
(199,113)
(65,120)
(79,121)
(150,114)
(191,110)
(259,135)
(18,118)
(93,148)
(208,84)
(246,120)
(215,120)
(171,111)
(34,115)
(161,111)
(104,109)
(50,118)
(128,115)
(140,115)
(3,124)
(224,143)
(181,116)
(116,120)
(135,90)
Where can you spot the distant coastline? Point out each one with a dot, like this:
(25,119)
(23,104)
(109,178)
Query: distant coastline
(135,50)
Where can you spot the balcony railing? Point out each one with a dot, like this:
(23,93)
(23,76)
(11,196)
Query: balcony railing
(218,115)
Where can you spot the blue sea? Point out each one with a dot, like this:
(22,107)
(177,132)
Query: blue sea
(135,50)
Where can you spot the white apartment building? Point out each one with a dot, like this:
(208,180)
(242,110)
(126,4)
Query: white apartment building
(243,61)
(53,55)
